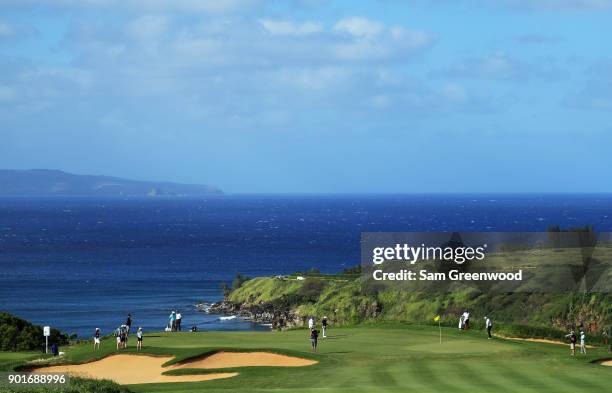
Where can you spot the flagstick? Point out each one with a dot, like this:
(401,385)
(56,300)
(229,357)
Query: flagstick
(440,327)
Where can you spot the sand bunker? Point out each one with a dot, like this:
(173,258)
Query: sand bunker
(542,340)
(606,363)
(134,369)
(130,369)
(246,359)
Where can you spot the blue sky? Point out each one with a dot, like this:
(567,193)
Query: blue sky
(312,96)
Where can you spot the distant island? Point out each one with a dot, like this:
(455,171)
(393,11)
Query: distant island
(46,182)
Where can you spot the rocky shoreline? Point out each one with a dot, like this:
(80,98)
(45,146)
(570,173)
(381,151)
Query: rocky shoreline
(263,313)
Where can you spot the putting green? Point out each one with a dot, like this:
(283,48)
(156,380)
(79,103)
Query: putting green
(375,359)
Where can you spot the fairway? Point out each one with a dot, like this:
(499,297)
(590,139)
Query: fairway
(374,359)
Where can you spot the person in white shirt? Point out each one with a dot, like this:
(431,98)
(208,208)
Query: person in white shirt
(582,342)
(139,337)
(489,326)
(466,320)
(310,325)
(179,318)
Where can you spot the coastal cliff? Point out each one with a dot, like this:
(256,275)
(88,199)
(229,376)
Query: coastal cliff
(287,302)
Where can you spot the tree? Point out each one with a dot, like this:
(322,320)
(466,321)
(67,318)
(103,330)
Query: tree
(239,280)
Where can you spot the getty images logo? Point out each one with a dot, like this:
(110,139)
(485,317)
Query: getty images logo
(412,254)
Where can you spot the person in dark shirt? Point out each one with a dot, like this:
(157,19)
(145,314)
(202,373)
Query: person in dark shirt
(573,338)
(324,324)
(128,323)
(54,349)
(314,336)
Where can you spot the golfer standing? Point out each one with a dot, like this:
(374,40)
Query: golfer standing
(179,318)
(314,336)
(97,339)
(466,320)
(324,324)
(139,337)
(489,326)
(128,323)
(573,339)
(582,342)
(172,320)
(310,324)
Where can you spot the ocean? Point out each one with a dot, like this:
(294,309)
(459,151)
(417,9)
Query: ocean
(80,263)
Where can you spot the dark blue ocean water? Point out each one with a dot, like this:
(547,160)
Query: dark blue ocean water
(77,264)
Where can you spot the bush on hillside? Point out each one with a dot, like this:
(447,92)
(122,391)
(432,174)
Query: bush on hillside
(239,280)
(312,289)
(17,334)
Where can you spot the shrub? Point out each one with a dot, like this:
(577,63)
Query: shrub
(239,280)
(17,334)
(312,289)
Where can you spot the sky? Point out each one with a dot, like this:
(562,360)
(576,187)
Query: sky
(312,96)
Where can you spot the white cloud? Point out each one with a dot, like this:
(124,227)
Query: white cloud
(371,40)
(284,27)
(359,27)
(499,66)
(148,26)
(203,6)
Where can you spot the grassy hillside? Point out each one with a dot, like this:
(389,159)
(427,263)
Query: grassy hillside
(342,299)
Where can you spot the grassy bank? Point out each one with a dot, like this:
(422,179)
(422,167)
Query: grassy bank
(344,301)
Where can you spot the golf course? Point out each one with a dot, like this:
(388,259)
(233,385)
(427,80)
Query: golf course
(381,358)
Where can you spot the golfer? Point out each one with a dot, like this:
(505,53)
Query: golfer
(489,326)
(466,320)
(97,338)
(310,324)
(324,324)
(314,336)
(573,339)
(128,323)
(179,318)
(118,337)
(172,320)
(139,337)
(582,342)
(461,322)
(124,337)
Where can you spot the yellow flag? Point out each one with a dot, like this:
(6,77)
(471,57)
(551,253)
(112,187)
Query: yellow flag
(437,318)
